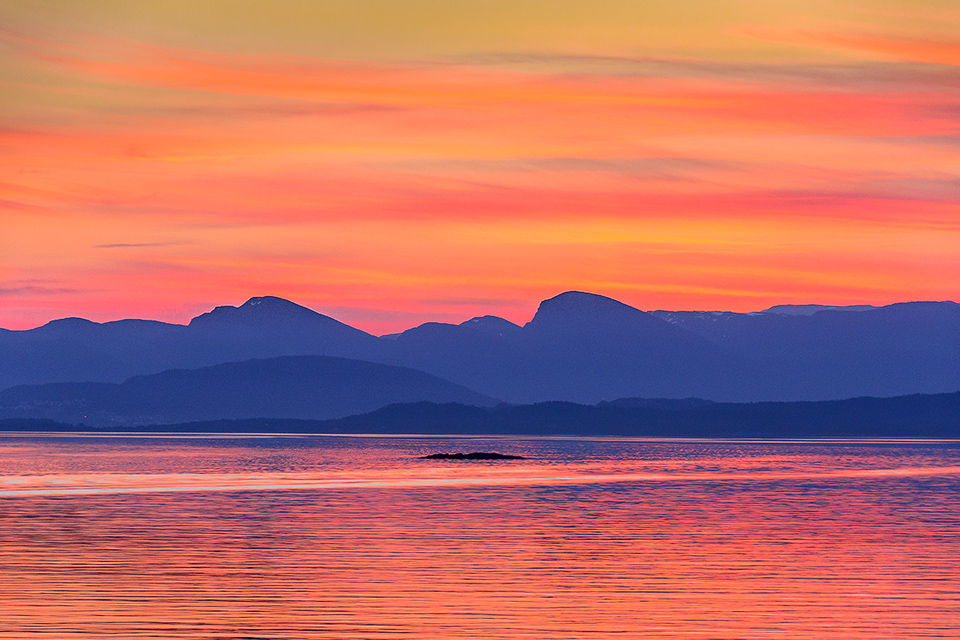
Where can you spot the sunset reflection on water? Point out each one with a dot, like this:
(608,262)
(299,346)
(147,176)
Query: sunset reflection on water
(310,537)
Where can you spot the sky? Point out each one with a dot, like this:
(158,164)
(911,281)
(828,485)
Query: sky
(389,163)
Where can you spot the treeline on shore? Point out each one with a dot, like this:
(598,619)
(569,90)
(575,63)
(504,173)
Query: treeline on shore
(917,416)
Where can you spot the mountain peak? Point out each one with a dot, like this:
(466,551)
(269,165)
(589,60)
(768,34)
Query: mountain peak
(269,302)
(577,300)
(810,309)
(491,324)
(581,307)
(67,325)
(259,309)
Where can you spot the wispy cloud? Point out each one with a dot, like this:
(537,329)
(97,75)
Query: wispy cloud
(652,167)
(459,301)
(895,46)
(33,290)
(128,245)
(867,75)
(241,110)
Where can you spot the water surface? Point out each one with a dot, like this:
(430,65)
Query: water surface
(346,537)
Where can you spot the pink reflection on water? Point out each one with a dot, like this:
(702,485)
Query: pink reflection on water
(601,540)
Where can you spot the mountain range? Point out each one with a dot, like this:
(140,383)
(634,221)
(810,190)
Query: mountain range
(578,347)
(297,387)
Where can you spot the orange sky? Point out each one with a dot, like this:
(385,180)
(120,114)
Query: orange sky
(391,163)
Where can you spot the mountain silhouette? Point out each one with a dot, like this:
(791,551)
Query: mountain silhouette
(301,387)
(578,347)
(837,353)
(917,415)
(583,347)
(76,350)
(267,326)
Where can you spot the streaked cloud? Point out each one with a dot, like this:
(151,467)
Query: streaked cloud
(137,245)
(896,46)
(34,290)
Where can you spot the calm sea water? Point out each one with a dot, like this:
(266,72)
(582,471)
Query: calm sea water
(326,537)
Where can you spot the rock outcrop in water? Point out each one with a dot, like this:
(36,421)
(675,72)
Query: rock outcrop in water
(476,455)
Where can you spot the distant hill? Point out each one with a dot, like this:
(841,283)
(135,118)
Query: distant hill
(810,309)
(76,350)
(266,327)
(837,353)
(582,347)
(928,416)
(914,416)
(579,347)
(304,387)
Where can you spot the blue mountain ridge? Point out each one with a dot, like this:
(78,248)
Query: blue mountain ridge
(579,347)
(297,387)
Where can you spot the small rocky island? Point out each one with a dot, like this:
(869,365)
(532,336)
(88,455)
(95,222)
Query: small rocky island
(476,455)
